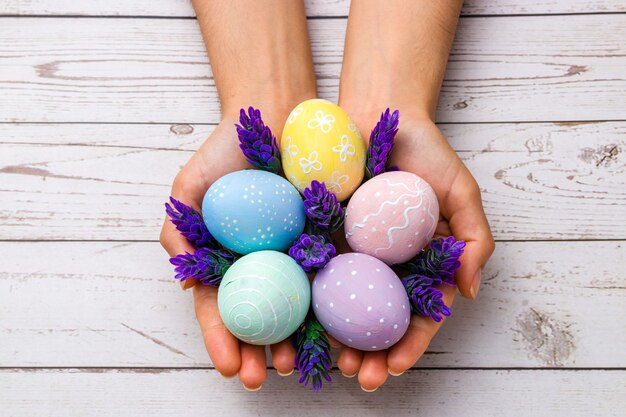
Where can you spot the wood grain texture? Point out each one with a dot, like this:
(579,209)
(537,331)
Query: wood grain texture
(200,393)
(112,304)
(315,8)
(109,182)
(154,70)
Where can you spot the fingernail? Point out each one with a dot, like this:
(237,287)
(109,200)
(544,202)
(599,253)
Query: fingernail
(282,374)
(252,389)
(349,376)
(368,390)
(475,284)
(228,376)
(393,373)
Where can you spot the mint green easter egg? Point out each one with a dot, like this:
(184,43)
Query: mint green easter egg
(264,297)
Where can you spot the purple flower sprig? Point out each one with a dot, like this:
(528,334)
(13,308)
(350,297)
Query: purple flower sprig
(206,265)
(381,143)
(313,360)
(322,208)
(440,261)
(312,252)
(257,141)
(424,298)
(429,269)
(190,224)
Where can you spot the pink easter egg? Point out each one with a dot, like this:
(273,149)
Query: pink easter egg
(361,302)
(392,216)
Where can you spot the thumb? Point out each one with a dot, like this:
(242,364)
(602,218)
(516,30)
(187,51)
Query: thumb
(468,222)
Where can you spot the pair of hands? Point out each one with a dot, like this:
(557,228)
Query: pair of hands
(420,148)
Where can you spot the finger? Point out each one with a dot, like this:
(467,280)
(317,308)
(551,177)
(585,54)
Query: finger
(175,243)
(468,222)
(222,346)
(333,342)
(187,192)
(413,344)
(253,370)
(373,372)
(349,361)
(283,357)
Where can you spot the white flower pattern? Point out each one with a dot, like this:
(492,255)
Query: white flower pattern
(323,121)
(344,149)
(289,151)
(294,114)
(336,182)
(311,163)
(352,128)
(300,185)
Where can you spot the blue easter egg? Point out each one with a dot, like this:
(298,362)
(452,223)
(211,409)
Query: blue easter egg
(252,210)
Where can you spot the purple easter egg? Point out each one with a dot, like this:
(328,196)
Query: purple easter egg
(361,302)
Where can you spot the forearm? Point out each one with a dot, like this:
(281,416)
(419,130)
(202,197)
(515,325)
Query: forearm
(259,53)
(396,54)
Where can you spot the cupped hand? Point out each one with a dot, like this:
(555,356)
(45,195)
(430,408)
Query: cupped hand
(421,148)
(218,156)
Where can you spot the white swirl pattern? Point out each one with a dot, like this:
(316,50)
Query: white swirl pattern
(262,301)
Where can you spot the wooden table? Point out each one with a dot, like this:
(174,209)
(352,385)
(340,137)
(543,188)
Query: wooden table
(101,102)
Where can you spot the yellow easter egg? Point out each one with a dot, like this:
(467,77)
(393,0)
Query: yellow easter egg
(320,142)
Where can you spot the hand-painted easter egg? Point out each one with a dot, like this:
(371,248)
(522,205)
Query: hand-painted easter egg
(253,210)
(320,142)
(392,216)
(361,302)
(264,297)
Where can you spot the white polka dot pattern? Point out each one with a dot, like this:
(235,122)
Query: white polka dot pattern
(253,210)
(361,302)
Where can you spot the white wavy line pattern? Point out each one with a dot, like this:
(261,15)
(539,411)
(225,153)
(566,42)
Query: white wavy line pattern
(404,226)
(411,193)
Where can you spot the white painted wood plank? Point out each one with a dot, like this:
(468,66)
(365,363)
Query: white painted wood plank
(182,8)
(155,70)
(200,393)
(545,304)
(539,181)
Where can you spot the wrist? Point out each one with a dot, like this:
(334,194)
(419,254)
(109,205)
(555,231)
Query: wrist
(366,110)
(366,96)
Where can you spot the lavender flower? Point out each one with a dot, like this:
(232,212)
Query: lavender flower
(312,252)
(440,261)
(381,143)
(427,301)
(429,269)
(257,141)
(190,224)
(313,360)
(322,208)
(206,264)
(415,283)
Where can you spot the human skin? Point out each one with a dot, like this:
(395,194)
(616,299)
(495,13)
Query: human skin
(395,56)
(260,56)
